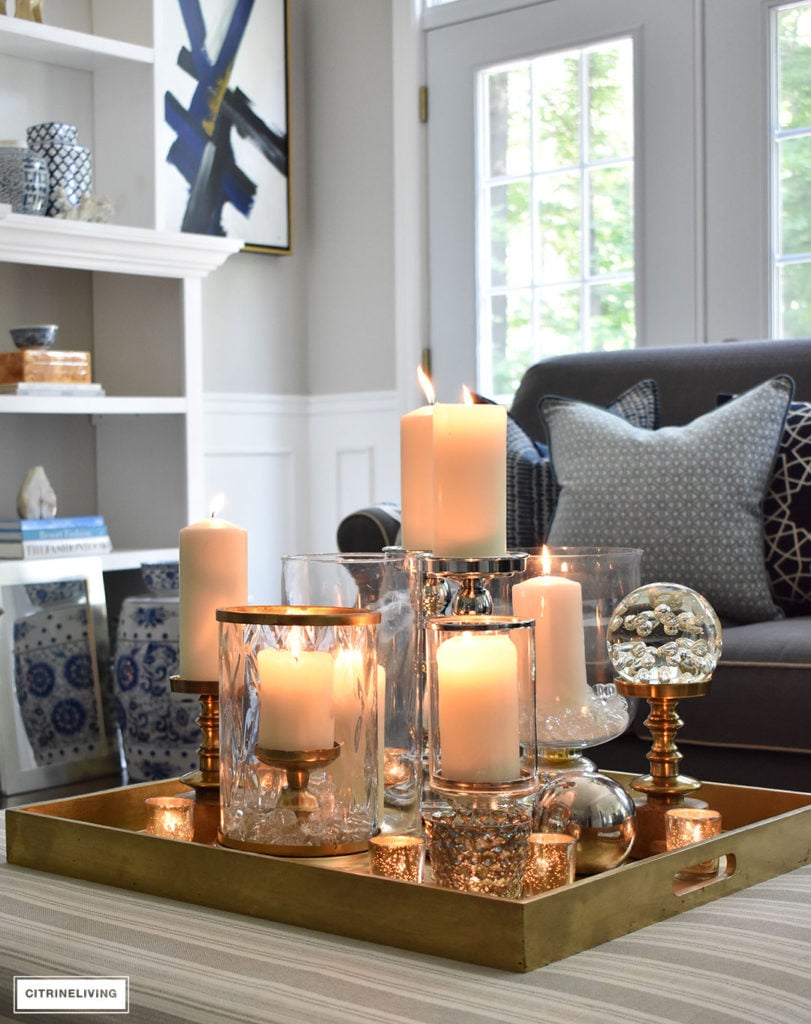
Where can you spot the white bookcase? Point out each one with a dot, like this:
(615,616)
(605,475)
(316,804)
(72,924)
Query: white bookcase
(126,292)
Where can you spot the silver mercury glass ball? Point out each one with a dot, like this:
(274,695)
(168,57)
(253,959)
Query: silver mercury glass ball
(594,809)
(664,633)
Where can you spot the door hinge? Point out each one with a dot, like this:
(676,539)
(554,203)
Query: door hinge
(423,104)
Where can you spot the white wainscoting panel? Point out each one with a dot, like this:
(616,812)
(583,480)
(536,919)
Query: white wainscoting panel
(291,467)
(354,458)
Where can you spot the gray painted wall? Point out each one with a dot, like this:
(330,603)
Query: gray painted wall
(321,320)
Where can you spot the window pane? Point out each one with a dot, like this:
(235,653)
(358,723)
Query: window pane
(556,81)
(556,208)
(793,56)
(511,339)
(510,122)
(612,231)
(794,291)
(559,219)
(612,316)
(794,162)
(510,241)
(558,320)
(611,120)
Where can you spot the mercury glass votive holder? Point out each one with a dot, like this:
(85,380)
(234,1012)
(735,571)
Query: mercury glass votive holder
(550,862)
(400,857)
(171,817)
(299,764)
(687,825)
(479,845)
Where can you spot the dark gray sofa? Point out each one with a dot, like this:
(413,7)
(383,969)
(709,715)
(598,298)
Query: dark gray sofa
(754,726)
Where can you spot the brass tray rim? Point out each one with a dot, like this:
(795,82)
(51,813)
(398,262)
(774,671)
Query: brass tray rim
(339,895)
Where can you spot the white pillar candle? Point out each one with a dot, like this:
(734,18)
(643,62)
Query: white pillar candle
(213,574)
(417,473)
(479,737)
(470,480)
(295,700)
(556,605)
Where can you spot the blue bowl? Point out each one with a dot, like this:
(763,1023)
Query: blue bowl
(35,336)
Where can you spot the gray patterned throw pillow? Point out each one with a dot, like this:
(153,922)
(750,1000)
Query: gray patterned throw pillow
(689,496)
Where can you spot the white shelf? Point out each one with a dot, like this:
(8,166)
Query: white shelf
(134,558)
(115,248)
(107,405)
(29,40)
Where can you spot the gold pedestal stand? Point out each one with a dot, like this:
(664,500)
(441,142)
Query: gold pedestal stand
(205,781)
(664,787)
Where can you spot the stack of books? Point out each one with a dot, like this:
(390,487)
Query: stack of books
(54,538)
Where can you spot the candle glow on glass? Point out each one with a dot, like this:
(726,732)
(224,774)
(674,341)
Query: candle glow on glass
(296,702)
(477,677)
(556,605)
(685,826)
(170,817)
(551,862)
(213,574)
(400,857)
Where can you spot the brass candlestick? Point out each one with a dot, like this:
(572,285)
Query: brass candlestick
(205,780)
(664,641)
(297,765)
(664,787)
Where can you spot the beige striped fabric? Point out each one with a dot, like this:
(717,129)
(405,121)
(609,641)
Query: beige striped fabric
(744,959)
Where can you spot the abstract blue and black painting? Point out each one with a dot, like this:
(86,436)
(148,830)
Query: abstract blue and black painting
(226,108)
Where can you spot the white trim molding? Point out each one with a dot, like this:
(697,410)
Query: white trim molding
(292,466)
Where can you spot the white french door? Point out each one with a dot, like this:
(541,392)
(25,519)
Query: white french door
(700,170)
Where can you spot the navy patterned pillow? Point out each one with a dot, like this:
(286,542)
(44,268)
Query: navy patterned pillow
(532,491)
(787,515)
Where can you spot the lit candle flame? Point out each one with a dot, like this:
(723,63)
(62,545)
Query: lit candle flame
(426,385)
(546,560)
(217,503)
(467,398)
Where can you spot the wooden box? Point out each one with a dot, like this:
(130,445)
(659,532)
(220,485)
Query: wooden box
(99,838)
(44,366)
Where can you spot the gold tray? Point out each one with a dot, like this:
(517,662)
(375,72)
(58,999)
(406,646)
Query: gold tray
(99,838)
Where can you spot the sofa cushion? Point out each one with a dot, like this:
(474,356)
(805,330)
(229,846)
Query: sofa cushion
(691,497)
(787,515)
(532,490)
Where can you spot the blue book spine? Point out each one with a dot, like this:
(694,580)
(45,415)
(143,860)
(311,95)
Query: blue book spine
(44,529)
(59,533)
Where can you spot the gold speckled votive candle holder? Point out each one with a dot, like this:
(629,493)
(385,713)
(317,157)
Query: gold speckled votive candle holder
(400,857)
(551,862)
(171,817)
(687,825)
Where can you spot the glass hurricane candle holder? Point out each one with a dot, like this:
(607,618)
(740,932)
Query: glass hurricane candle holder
(481,702)
(171,817)
(298,729)
(482,751)
(550,862)
(687,825)
(379,582)
(571,593)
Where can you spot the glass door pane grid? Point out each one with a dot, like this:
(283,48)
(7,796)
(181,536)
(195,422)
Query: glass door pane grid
(532,297)
(790,164)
